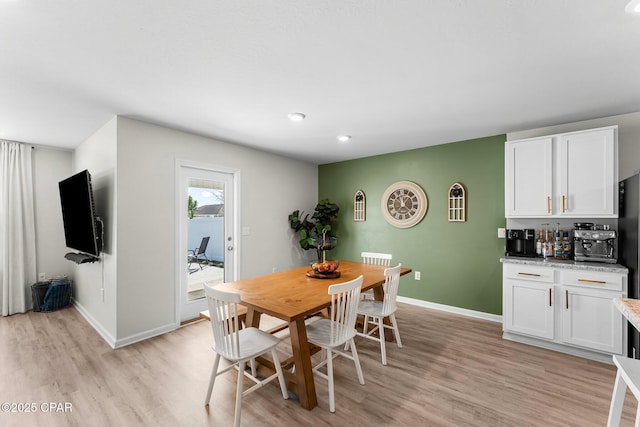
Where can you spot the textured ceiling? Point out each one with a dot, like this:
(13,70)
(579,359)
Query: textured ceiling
(395,75)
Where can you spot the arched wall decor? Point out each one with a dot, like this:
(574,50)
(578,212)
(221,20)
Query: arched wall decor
(359,206)
(457,203)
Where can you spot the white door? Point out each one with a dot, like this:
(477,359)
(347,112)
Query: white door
(528,308)
(587,181)
(528,178)
(589,319)
(206,217)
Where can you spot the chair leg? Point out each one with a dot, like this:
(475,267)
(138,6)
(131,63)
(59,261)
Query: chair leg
(356,360)
(252,362)
(383,349)
(276,362)
(617,401)
(239,394)
(365,324)
(332,401)
(214,373)
(396,332)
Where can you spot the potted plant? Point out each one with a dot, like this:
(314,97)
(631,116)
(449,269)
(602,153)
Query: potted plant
(316,232)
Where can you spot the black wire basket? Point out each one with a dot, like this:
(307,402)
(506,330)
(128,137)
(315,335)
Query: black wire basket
(51,295)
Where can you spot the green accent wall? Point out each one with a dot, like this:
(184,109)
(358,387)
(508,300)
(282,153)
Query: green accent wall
(459,262)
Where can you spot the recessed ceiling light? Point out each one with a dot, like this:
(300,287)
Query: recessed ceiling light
(344,138)
(296,117)
(633,7)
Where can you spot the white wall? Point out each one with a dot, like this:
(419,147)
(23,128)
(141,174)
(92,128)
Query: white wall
(95,284)
(628,138)
(138,204)
(50,166)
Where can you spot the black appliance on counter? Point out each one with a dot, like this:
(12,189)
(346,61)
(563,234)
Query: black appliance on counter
(628,246)
(521,242)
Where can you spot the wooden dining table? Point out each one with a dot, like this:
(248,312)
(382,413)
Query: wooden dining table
(293,296)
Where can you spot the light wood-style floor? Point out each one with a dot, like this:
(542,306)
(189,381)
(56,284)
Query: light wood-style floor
(452,371)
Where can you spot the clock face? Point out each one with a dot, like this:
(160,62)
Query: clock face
(404,204)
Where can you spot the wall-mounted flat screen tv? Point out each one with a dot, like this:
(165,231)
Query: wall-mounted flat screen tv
(82,230)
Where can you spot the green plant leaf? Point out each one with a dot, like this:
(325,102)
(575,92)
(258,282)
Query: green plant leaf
(311,228)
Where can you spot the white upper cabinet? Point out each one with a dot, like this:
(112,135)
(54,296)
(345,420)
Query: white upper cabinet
(528,177)
(589,181)
(567,175)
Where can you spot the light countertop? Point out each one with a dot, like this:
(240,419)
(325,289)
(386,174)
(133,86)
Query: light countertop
(568,264)
(630,308)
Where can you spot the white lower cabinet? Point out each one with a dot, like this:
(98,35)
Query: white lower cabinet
(590,320)
(531,310)
(564,309)
(528,302)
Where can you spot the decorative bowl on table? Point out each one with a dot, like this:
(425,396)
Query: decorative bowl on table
(326,267)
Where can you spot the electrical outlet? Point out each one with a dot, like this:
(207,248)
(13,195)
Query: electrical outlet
(502,233)
(417,275)
(274,269)
(41,277)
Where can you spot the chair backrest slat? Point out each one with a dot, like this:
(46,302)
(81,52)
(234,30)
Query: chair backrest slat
(376,258)
(344,306)
(390,287)
(223,309)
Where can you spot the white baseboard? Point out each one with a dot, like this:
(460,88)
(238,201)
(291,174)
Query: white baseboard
(451,309)
(96,325)
(144,335)
(117,343)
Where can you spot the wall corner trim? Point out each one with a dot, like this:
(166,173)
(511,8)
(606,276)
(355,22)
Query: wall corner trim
(95,324)
(117,343)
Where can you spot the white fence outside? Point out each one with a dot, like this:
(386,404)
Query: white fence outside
(203,226)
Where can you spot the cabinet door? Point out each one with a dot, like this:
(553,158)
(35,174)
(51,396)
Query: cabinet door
(587,174)
(528,308)
(590,320)
(528,178)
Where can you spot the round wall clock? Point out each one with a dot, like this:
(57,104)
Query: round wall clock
(404,204)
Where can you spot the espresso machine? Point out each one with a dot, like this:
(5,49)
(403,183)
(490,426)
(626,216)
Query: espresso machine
(594,244)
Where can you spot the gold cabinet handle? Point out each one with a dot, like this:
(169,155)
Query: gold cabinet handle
(563,203)
(599,282)
(549,297)
(529,274)
(566,298)
(548,204)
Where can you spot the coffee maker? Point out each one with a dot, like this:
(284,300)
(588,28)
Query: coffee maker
(595,245)
(521,242)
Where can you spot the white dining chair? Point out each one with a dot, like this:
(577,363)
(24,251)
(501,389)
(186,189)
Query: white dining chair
(339,329)
(628,375)
(238,346)
(375,258)
(374,312)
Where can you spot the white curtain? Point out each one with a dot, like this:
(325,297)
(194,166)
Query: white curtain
(17,228)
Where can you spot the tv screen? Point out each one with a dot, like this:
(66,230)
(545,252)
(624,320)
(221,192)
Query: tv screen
(78,214)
